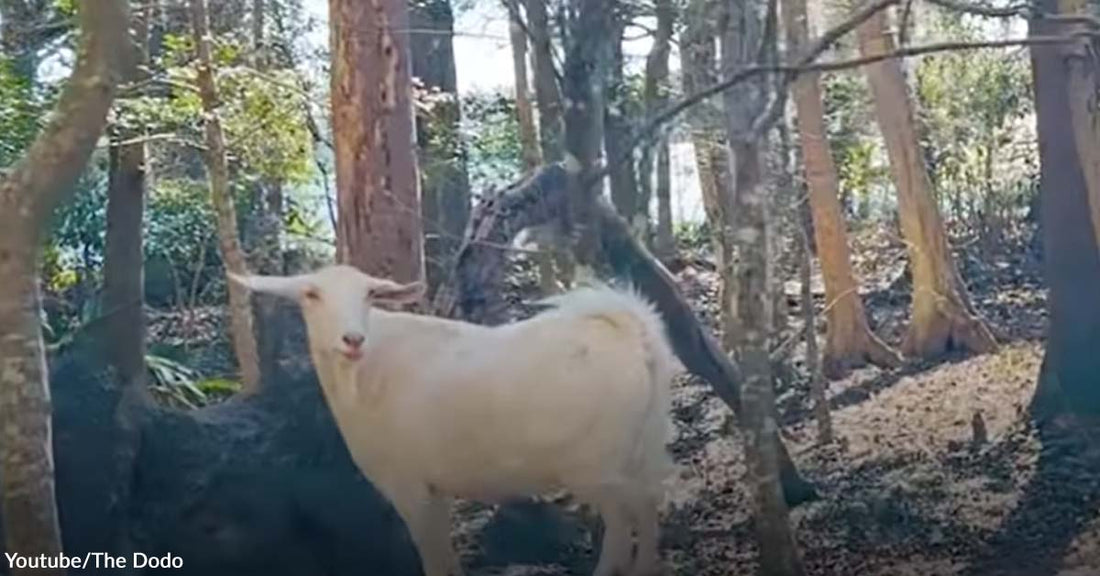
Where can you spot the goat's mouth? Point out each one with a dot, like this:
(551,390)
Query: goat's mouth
(352,354)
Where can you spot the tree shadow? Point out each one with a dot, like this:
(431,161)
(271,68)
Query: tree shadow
(1061,499)
(797,408)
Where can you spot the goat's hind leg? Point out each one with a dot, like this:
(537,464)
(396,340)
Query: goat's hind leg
(615,550)
(644,517)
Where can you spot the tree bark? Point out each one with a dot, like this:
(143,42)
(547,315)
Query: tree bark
(655,96)
(818,387)
(849,342)
(942,316)
(1071,255)
(587,58)
(698,58)
(750,26)
(36,184)
(445,184)
(528,136)
(547,91)
(378,189)
(616,136)
(217,167)
(1084,81)
(123,298)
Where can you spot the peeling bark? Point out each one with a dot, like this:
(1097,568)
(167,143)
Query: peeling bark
(378,188)
(229,241)
(849,342)
(36,184)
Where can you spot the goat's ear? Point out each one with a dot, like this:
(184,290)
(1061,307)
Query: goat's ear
(284,286)
(393,292)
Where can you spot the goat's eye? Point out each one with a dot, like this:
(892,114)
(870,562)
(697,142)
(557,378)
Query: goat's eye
(313,294)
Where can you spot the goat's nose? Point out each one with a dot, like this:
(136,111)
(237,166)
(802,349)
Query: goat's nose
(353,339)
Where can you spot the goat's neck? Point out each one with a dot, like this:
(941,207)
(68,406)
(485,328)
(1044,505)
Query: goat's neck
(341,382)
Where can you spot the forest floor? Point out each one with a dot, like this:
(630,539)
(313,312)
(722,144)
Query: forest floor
(905,490)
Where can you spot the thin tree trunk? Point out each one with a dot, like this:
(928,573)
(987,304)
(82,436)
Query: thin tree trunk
(587,58)
(748,27)
(655,95)
(942,316)
(123,297)
(36,184)
(818,386)
(622,177)
(547,91)
(528,136)
(550,121)
(666,241)
(697,54)
(445,184)
(849,342)
(378,188)
(1071,255)
(240,309)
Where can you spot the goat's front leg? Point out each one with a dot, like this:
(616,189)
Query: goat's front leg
(428,517)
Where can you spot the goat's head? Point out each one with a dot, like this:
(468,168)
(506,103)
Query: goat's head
(335,303)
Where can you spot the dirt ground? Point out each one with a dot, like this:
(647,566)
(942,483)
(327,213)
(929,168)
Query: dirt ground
(907,489)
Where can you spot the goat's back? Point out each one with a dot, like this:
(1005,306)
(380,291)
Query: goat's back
(577,395)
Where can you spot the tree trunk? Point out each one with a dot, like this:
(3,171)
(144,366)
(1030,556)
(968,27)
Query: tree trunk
(818,387)
(445,185)
(697,54)
(849,342)
(587,58)
(942,316)
(217,167)
(616,137)
(547,91)
(29,192)
(655,96)
(666,242)
(1071,255)
(528,137)
(747,29)
(123,298)
(1083,84)
(378,189)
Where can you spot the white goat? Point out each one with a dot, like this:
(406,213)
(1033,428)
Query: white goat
(575,398)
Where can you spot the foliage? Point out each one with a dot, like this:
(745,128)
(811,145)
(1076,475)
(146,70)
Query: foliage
(21,112)
(978,135)
(863,172)
(176,384)
(491,131)
(182,259)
